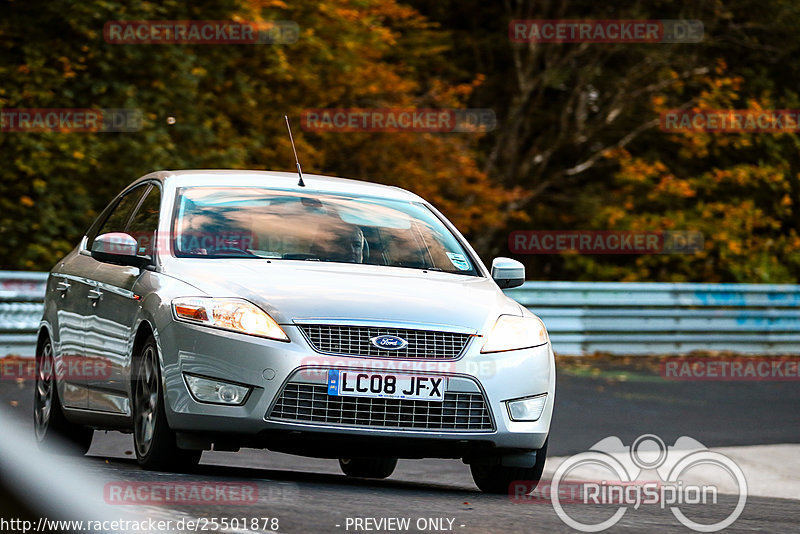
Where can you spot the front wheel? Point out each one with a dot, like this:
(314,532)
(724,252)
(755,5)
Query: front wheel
(154,440)
(368,467)
(498,478)
(54,433)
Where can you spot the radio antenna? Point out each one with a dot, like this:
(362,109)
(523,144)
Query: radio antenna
(296,160)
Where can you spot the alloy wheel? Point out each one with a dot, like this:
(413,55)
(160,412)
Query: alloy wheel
(44,391)
(146,401)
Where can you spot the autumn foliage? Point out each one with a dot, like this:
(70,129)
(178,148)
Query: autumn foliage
(577,144)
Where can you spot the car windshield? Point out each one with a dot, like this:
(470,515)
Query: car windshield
(243,222)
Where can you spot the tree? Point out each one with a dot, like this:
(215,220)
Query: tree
(220,106)
(579,121)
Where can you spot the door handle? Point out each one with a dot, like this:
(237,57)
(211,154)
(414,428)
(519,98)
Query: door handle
(63,286)
(95,295)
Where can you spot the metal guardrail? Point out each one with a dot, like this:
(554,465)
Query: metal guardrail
(582,317)
(21,306)
(659,318)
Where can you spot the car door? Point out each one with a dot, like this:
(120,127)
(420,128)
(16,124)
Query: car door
(112,311)
(71,282)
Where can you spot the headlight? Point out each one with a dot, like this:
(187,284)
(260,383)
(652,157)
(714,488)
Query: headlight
(512,332)
(236,315)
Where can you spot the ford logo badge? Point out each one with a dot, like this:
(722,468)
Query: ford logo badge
(387,342)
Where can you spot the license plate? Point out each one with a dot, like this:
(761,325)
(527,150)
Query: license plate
(385,385)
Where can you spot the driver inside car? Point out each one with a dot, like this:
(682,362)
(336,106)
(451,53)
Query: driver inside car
(346,245)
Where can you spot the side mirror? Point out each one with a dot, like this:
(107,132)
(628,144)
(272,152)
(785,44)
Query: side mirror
(508,273)
(118,248)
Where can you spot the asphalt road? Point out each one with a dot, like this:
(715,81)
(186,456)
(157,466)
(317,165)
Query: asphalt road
(596,398)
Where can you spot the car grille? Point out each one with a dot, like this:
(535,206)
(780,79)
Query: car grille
(310,403)
(355,341)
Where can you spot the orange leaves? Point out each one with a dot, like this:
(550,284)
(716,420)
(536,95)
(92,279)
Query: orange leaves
(614,215)
(672,186)
(372,54)
(743,208)
(637,170)
(68,71)
(447,95)
(349,15)
(442,169)
(258,5)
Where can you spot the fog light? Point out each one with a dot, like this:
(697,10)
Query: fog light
(216,391)
(529,409)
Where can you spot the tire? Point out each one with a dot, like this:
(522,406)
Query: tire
(497,478)
(154,441)
(54,433)
(381,467)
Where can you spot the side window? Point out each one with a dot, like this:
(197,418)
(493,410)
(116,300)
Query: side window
(121,214)
(144,224)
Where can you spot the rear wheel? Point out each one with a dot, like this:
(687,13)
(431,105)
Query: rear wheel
(154,440)
(498,478)
(381,467)
(50,425)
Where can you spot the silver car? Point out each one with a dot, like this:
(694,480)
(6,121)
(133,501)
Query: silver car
(332,318)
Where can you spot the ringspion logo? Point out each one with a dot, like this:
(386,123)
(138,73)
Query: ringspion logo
(689,474)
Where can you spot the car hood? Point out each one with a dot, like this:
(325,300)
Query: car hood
(296,290)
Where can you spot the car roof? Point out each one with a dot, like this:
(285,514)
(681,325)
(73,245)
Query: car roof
(287,181)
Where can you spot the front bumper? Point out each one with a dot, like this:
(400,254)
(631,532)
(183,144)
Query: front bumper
(270,367)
